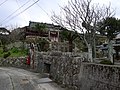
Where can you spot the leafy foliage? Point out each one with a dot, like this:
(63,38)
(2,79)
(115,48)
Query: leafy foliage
(43,45)
(109,27)
(40,27)
(14,52)
(69,36)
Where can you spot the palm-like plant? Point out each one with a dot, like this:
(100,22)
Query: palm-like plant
(69,36)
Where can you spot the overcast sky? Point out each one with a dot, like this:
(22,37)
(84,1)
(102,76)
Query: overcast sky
(39,12)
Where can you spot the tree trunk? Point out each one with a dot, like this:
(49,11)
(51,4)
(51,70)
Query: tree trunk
(89,50)
(90,53)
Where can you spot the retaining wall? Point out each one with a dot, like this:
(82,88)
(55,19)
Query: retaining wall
(64,67)
(99,77)
(16,62)
(72,71)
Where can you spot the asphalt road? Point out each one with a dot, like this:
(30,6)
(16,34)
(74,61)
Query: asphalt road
(20,79)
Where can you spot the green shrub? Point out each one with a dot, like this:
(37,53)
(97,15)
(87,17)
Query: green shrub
(108,62)
(43,45)
(14,50)
(18,52)
(6,55)
(24,51)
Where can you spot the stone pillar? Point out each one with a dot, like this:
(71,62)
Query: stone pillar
(110,51)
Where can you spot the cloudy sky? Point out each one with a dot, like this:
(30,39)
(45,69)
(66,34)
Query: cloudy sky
(20,12)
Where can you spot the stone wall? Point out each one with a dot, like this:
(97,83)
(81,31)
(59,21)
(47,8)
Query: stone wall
(16,62)
(64,67)
(99,77)
(71,71)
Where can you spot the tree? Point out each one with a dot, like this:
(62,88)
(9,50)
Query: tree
(22,37)
(82,16)
(110,26)
(40,27)
(43,44)
(70,36)
(68,23)
(4,38)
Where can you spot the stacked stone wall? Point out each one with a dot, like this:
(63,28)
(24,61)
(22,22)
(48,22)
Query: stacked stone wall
(64,67)
(72,71)
(15,62)
(99,77)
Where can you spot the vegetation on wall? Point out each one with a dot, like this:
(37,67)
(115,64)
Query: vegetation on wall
(14,52)
(43,44)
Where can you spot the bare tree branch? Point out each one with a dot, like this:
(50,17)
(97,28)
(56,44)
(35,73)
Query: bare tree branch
(83,16)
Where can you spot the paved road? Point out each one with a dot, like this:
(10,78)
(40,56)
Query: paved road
(20,79)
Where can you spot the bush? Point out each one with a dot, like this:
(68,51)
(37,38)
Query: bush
(6,55)
(14,50)
(108,62)
(24,51)
(43,45)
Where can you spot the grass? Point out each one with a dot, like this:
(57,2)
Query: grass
(19,53)
(14,52)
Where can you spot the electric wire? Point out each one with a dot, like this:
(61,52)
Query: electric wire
(14,12)
(19,7)
(41,8)
(22,11)
(3,2)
